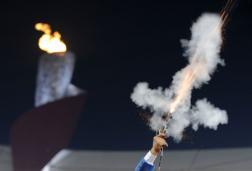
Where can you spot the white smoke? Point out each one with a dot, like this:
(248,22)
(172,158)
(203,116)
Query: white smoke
(54,78)
(205,45)
(204,113)
(145,97)
(203,55)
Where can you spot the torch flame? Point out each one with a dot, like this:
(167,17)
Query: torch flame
(50,42)
(186,85)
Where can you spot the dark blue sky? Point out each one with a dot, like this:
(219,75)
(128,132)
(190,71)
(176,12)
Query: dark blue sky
(119,44)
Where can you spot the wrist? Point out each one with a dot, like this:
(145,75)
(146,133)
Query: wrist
(150,158)
(155,151)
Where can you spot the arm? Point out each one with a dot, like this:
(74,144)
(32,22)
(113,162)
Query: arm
(147,163)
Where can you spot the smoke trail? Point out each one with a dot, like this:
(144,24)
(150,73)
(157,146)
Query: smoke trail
(202,51)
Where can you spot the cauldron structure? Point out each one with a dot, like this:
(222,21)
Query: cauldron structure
(42,132)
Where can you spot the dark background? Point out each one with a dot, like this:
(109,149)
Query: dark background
(119,43)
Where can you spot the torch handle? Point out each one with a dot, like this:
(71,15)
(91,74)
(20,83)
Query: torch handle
(162,130)
(160,158)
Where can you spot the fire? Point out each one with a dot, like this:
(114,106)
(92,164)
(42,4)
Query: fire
(50,42)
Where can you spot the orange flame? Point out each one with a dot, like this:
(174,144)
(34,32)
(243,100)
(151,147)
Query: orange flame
(50,42)
(186,85)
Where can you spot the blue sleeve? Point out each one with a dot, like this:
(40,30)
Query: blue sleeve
(144,166)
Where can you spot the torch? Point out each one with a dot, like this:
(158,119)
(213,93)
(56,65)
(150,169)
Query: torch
(58,105)
(166,117)
(55,68)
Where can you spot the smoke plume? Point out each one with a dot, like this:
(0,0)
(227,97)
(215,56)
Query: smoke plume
(203,54)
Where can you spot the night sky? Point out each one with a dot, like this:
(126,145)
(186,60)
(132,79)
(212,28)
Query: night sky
(118,44)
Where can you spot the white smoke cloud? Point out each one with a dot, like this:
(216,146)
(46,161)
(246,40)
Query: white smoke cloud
(54,78)
(204,113)
(203,55)
(205,45)
(155,99)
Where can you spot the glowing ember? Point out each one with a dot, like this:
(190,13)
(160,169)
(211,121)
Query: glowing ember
(50,42)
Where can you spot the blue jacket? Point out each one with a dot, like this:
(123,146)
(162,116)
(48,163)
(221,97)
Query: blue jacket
(144,166)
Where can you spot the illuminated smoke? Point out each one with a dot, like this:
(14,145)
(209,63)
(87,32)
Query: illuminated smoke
(54,78)
(204,113)
(203,56)
(55,68)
